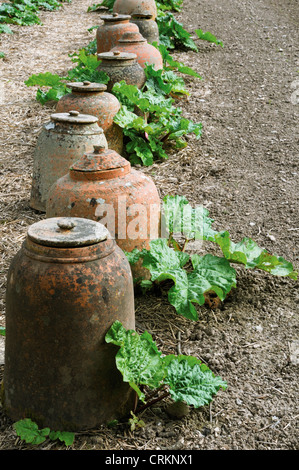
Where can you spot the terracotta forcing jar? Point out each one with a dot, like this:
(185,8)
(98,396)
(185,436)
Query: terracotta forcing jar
(121,66)
(128,7)
(66,286)
(102,186)
(112,29)
(60,143)
(92,98)
(137,44)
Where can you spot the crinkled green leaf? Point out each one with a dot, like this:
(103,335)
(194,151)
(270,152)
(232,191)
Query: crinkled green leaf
(164,81)
(28,431)
(184,294)
(57,88)
(191,381)
(163,262)
(208,37)
(66,437)
(139,147)
(5,29)
(53,94)
(138,358)
(172,63)
(172,29)
(175,5)
(133,256)
(90,61)
(248,252)
(179,217)
(44,79)
(155,81)
(210,274)
(129,120)
(185,126)
(146,101)
(173,213)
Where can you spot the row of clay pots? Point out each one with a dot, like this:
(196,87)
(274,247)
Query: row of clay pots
(115,26)
(123,52)
(70,281)
(76,175)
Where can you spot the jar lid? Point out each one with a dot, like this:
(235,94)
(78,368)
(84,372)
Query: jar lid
(132,36)
(142,15)
(117,55)
(115,17)
(87,86)
(64,232)
(101,164)
(74,117)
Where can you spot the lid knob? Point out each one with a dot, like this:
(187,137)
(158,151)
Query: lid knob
(98,148)
(66,224)
(115,14)
(86,83)
(74,113)
(116,52)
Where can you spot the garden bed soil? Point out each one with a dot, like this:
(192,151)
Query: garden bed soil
(244,169)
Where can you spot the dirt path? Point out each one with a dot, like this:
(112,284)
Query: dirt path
(244,170)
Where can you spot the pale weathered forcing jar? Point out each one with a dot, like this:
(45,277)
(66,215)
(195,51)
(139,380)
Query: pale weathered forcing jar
(66,286)
(93,98)
(59,144)
(121,66)
(148,27)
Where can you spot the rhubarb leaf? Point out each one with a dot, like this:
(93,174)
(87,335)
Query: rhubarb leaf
(180,218)
(138,358)
(208,37)
(210,274)
(28,431)
(163,262)
(191,381)
(248,252)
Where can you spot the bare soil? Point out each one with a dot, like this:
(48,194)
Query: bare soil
(244,169)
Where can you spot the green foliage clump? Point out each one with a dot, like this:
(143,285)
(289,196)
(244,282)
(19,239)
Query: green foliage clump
(142,365)
(150,120)
(29,432)
(172,34)
(196,277)
(56,86)
(24,12)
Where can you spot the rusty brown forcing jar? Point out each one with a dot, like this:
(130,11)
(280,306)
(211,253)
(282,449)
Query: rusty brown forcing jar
(146,53)
(65,288)
(60,143)
(128,7)
(102,186)
(112,29)
(121,66)
(92,98)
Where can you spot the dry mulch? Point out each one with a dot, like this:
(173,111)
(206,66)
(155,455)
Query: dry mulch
(244,169)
